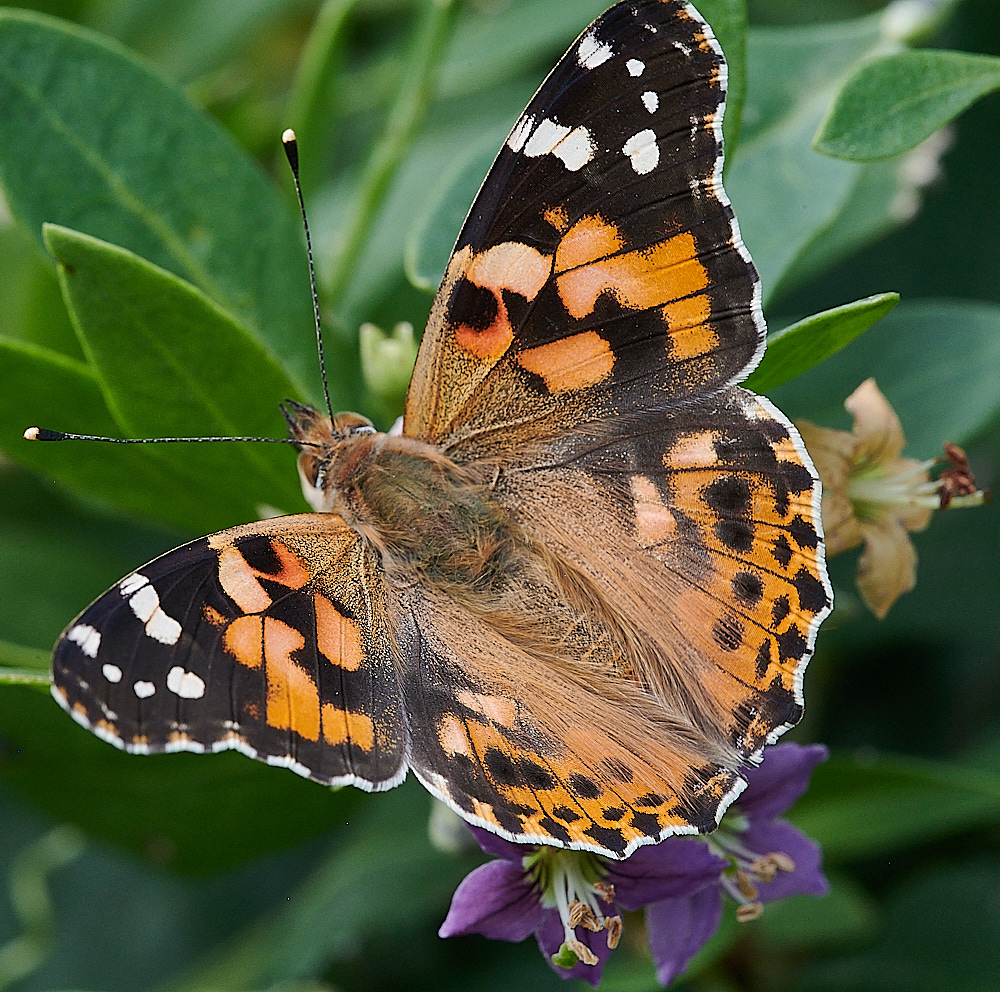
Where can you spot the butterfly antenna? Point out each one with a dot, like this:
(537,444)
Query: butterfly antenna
(292,154)
(44,434)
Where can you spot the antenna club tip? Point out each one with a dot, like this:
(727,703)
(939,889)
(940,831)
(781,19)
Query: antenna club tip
(288,137)
(43,434)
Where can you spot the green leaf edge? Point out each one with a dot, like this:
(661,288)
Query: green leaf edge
(801,346)
(838,144)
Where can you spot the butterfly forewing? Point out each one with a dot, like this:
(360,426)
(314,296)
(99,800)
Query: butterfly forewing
(600,269)
(270,638)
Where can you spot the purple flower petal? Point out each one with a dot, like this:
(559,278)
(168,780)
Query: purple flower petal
(675,867)
(496,901)
(499,847)
(780,780)
(678,928)
(550,938)
(780,836)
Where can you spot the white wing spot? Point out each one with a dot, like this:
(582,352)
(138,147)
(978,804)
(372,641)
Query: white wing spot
(144,689)
(591,53)
(635,67)
(145,604)
(546,136)
(681,47)
(187,685)
(641,148)
(162,628)
(520,133)
(130,583)
(112,673)
(576,149)
(650,101)
(87,638)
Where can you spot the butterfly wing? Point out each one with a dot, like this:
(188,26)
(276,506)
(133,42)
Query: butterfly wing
(271,638)
(600,269)
(615,706)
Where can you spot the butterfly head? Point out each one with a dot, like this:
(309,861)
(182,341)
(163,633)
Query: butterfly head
(321,442)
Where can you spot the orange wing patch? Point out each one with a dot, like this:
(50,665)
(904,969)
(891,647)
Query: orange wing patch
(590,261)
(339,638)
(342,726)
(510,266)
(239,579)
(572,363)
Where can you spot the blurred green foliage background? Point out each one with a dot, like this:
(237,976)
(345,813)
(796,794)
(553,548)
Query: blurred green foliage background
(188,872)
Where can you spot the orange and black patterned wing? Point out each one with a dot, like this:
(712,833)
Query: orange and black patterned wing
(270,638)
(600,270)
(703,524)
(618,708)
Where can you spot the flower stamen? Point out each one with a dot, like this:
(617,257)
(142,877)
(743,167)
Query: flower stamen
(614,926)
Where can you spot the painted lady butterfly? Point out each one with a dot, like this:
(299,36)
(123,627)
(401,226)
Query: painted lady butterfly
(581,589)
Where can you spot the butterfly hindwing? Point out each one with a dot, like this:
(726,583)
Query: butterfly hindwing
(270,638)
(600,269)
(549,746)
(701,524)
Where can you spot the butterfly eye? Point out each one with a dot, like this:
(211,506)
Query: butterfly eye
(363,429)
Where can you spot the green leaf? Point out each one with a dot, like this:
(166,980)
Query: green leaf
(31,306)
(193,813)
(495,44)
(938,363)
(806,343)
(784,193)
(433,234)
(866,804)
(45,388)
(91,139)
(17,656)
(892,103)
(171,363)
(728,19)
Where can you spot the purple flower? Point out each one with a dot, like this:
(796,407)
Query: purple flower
(572,900)
(767,859)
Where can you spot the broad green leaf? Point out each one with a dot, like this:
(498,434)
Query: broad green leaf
(433,233)
(858,806)
(892,103)
(938,362)
(45,388)
(797,348)
(171,363)
(91,139)
(18,657)
(55,558)
(884,196)
(194,813)
(31,306)
(784,193)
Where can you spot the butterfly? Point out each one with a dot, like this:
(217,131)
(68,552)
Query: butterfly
(579,590)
